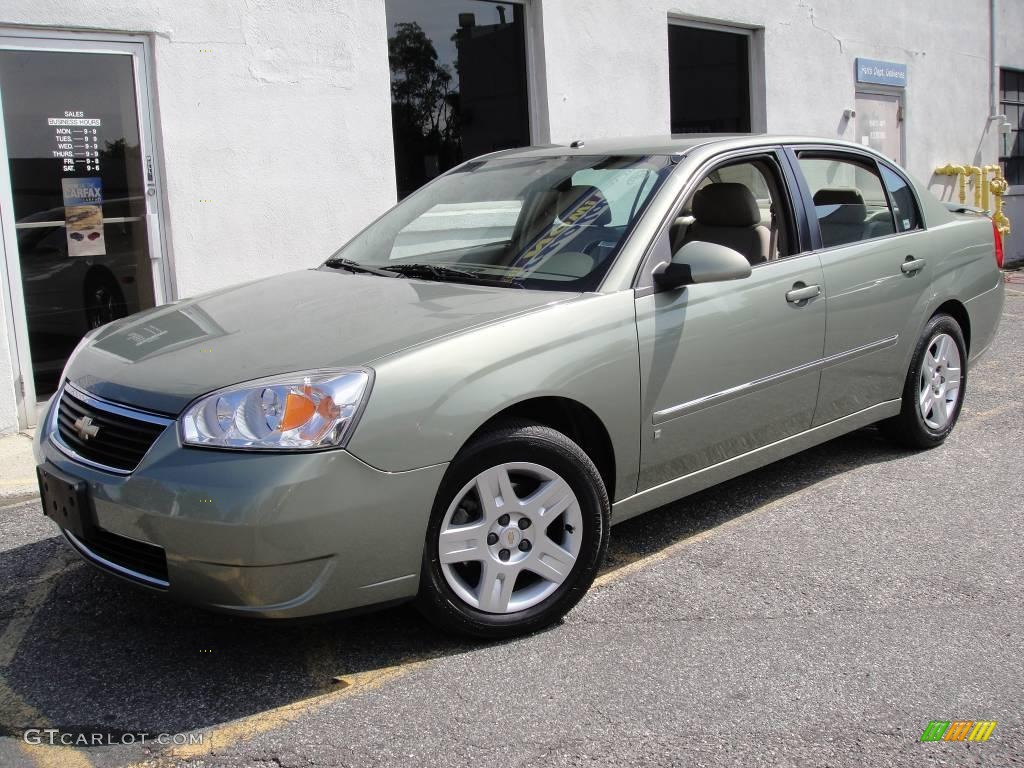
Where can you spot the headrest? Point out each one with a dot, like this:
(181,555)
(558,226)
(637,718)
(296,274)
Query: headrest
(848,202)
(569,199)
(726,204)
(838,196)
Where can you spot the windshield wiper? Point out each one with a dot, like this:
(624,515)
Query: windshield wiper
(432,272)
(355,266)
(442,273)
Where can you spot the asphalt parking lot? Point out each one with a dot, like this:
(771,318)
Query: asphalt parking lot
(820,611)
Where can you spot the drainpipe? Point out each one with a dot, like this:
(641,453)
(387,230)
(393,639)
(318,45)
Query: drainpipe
(993,69)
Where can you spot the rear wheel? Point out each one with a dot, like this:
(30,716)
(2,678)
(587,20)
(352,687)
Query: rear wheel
(518,531)
(934,389)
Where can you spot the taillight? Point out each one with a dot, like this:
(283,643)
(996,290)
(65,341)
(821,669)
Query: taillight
(999,245)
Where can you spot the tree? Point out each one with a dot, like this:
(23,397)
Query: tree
(419,85)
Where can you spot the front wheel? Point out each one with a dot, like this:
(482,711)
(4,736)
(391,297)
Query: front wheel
(516,536)
(933,392)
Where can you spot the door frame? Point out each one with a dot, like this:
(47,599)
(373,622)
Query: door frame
(140,49)
(901,105)
(756,83)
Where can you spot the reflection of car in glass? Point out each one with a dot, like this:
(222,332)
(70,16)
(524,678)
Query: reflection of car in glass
(456,406)
(66,296)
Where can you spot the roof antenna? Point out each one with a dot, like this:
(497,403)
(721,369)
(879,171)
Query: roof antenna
(577,144)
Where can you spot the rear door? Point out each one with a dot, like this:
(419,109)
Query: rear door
(866,226)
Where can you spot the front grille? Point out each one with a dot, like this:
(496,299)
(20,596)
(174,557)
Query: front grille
(120,440)
(128,556)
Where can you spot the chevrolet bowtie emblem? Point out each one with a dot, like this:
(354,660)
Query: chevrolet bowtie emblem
(85,429)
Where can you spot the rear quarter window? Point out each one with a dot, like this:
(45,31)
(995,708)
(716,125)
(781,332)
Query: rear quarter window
(904,204)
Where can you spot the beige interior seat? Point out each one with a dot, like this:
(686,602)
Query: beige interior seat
(726,213)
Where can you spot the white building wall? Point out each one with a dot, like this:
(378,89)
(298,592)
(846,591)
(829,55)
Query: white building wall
(279,112)
(8,400)
(607,67)
(284,125)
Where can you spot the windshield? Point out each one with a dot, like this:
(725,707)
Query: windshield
(553,223)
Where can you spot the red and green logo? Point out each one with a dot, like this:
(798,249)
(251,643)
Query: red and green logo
(958,730)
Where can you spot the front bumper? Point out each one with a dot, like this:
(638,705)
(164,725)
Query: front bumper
(273,535)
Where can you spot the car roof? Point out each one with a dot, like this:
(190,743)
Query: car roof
(672,144)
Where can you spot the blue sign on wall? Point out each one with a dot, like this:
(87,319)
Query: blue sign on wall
(881,72)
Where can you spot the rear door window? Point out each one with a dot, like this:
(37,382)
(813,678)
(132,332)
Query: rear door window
(850,201)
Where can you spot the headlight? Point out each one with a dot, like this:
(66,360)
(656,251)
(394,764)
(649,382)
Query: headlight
(299,411)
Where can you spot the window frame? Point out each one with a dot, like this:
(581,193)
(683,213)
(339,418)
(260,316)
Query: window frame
(756,86)
(643,279)
(1018,103)
(892,198)
(848,154)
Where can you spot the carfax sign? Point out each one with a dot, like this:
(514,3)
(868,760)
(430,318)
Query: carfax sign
(83,216)
(881,72)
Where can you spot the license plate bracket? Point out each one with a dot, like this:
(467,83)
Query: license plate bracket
(65,500)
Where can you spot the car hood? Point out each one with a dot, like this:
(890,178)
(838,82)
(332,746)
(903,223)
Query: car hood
(160,360)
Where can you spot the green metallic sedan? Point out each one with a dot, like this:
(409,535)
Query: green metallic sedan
(457,405)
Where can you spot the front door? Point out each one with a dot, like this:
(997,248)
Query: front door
(730,367)
(78,203)
(720,367)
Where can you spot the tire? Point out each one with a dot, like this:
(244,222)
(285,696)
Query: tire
(560,494)
(931,406)
(104,301)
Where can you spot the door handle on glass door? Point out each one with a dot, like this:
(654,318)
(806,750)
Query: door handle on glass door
(912,265)
(802,292)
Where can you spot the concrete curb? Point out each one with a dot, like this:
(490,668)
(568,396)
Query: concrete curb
(17,468)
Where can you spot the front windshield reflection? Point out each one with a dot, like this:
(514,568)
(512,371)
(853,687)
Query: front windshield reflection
(550,223)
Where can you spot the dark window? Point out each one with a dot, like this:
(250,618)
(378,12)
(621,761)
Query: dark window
(709,80)
(1011,150)
(849,200)
(907,217)
(458,83)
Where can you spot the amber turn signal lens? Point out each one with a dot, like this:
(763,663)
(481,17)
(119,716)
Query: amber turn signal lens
(297,411)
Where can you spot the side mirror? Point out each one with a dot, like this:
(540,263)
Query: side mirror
(701,262)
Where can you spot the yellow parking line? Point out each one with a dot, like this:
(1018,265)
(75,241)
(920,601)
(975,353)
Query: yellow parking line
(13,709)
(46,756)
(997,411)
(15,712)
(224,736)
(221,737)
(16,628)
(229,734)
(637,564)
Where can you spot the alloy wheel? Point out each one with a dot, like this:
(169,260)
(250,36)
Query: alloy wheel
(939,386)
(510,538)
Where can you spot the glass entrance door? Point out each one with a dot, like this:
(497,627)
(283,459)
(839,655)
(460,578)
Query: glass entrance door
(879,118)
(80,216)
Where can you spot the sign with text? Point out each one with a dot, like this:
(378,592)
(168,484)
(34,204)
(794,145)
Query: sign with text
(881,72)
(83,216)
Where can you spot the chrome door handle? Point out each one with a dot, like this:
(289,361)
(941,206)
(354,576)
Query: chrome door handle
(912,265)
(802,293)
